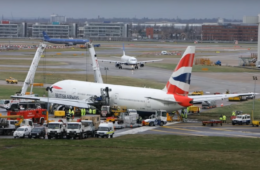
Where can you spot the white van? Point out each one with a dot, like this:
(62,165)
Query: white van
(22,131)
(105,130)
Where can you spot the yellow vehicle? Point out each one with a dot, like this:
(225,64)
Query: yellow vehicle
(111,119)
(59,113)
(14,117)
(255,123)
(169,117)
(197,93)
(194,109)
(11,80)
(238,98)
(114,110)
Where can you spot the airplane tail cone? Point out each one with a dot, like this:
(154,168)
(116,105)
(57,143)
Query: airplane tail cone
(179,82)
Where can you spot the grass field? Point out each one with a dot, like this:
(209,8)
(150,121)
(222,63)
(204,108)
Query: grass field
(246,107)
(40,69)
(198,68)
(28,62)
(131,152)
(7,90)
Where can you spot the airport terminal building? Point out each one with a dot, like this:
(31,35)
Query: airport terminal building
(55,30)
(106,30)
(12,30)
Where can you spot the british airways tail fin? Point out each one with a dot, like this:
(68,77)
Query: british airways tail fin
(179,82)
(123,49)
(45,36)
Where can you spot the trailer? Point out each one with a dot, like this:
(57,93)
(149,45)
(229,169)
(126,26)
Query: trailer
(212,122)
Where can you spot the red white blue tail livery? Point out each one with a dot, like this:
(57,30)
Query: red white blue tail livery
(179,82)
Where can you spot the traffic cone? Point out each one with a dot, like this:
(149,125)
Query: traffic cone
(221,105)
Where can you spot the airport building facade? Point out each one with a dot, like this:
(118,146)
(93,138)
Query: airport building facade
(230,32)
(55,30)
(12,30)
(106,30)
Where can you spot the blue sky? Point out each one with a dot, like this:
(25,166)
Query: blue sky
(185,9)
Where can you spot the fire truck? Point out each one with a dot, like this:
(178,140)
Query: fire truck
(35,111)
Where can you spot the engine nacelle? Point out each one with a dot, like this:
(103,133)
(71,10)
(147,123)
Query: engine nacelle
(70,44)
(141,64)
(117,64)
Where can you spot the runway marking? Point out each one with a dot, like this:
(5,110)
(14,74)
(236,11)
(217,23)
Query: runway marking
(223,129)
(177,132)
(232,135)
(182,129)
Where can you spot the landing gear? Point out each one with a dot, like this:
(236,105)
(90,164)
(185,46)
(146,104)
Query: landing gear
(136,67)
(120,67)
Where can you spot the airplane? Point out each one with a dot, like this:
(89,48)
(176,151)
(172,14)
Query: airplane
(68,42)
(174,96)
(129,61)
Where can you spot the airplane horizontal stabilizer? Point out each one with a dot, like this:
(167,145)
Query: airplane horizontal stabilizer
(218,96)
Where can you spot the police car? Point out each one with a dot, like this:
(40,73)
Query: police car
(242,119)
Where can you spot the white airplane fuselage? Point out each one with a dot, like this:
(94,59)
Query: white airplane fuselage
(131,97)
(129,60)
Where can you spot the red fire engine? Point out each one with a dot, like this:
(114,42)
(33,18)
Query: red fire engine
(29,110)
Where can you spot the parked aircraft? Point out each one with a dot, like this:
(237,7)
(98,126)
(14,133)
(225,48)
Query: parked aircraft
(173,97)
(68,42)
(129,61)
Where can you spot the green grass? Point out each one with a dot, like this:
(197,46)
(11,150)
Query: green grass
(198,68)
(28,62)
(131,152)
(245,106)
(7,90)
(54,77)
(26,69)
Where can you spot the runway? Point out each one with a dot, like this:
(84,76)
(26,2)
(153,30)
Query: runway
(196,129)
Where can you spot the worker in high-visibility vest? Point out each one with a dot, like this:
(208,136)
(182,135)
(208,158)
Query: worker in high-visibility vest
(72,114)
(90,111)
(94,111)
(220,118)
(224,119)
(188,109)
(233,113)
(82,112)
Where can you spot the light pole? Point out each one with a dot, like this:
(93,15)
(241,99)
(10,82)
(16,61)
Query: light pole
(48,106)
(254,78)
(106,69)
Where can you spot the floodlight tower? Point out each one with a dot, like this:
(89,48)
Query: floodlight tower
(255,20)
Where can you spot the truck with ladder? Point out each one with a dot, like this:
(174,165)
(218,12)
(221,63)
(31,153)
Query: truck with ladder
(35,111)
(7,127)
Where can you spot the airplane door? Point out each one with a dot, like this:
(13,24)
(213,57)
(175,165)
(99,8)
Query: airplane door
(148,104)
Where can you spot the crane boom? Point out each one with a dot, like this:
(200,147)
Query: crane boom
(31,73)
(95,65)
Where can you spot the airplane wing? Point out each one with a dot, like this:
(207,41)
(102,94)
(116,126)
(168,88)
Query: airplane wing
(112,61)
(149,61)
(217,97)
(68,102)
